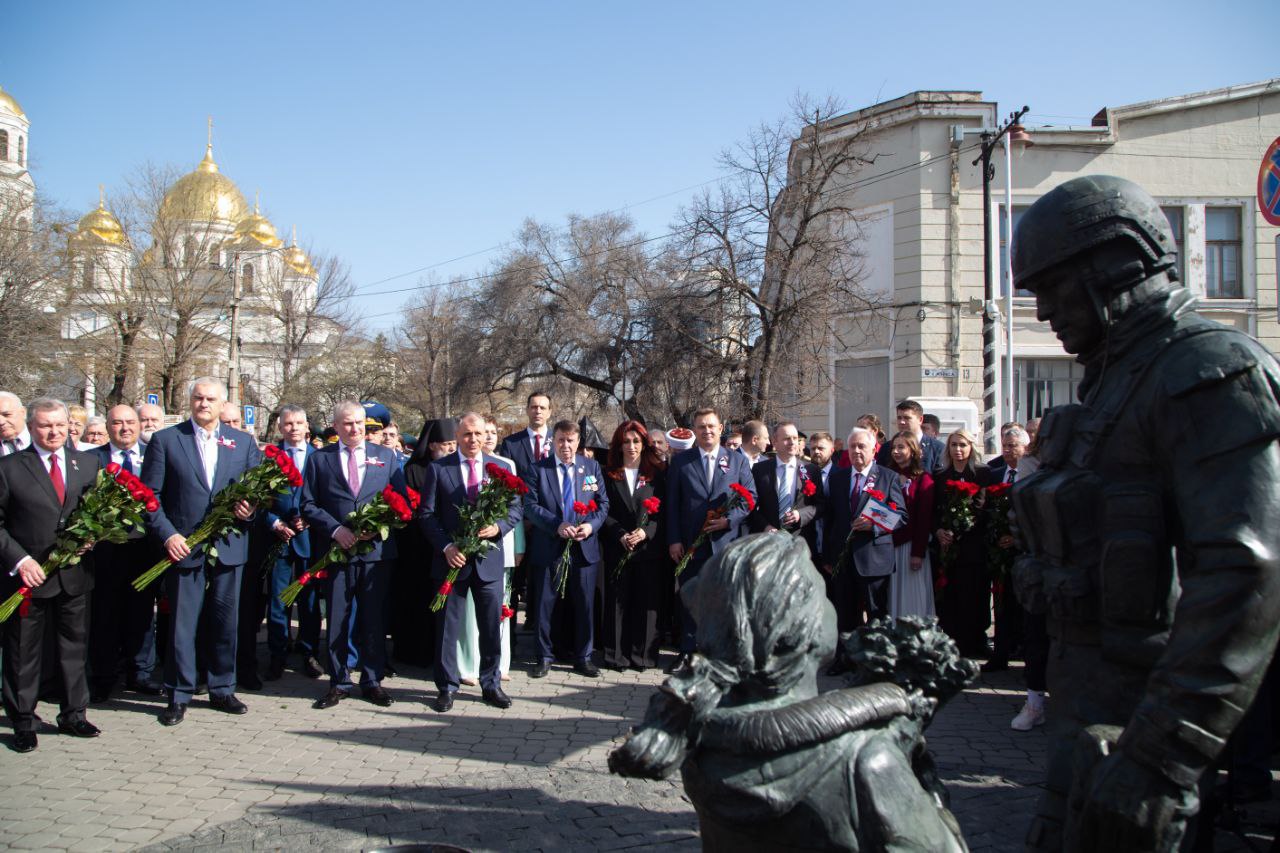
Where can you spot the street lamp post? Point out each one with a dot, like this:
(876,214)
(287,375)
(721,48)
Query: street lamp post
(990,363)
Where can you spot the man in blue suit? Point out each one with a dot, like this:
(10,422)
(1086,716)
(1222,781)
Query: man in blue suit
(186,465)
(864,583)
(933,451)
(697,483)
(533,444)
(286,522)
(122,619)
(339,479)
(448,483)
(555,484)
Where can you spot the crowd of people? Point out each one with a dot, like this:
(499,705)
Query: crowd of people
(593,552)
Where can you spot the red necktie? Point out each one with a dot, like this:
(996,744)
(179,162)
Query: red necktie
(853,498)
(55,474)
(473,481)
(537,447)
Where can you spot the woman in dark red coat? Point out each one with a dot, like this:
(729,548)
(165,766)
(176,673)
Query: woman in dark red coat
(911,587)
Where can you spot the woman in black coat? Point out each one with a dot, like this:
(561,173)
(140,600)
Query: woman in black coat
(634,472)
(964,601)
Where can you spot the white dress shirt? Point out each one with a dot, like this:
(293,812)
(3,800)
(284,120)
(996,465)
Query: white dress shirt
(207,447)
(135,458)
(542,437)
(464,468)
(708,464)
(633,478)
(21,441)
(787,477)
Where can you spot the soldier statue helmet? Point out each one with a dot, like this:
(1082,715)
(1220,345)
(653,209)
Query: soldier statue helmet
(1149,534)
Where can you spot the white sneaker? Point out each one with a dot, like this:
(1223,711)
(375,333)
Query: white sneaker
(1028,718)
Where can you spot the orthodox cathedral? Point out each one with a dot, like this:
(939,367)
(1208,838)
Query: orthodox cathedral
(141,320)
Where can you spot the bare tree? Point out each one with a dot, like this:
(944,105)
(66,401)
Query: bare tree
(772,253)
(31,292)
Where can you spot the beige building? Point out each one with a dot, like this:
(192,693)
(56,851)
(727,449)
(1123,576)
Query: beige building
(920,220)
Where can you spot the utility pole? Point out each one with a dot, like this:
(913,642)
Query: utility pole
(233,377)
(990,310)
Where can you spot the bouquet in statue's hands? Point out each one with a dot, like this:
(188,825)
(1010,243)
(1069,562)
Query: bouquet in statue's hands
(493,502)
(370,523)
(108,511)
(259,485)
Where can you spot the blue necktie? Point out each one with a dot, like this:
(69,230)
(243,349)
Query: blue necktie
(566,494)
(786,498)
(126,464)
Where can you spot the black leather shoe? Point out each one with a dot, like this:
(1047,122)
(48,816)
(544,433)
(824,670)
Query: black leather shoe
(328,700)
(497,698)
(24,742)
(586,669)
(228,704)
(378,696)
(275,670)
(146,688)
(249,681)
(202,688)
(311,668)
(678,664)
(540,669)
(78,728)
(173,714)
(443,702)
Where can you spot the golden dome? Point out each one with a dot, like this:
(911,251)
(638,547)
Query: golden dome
(204,195)
(100,226)
(297,259)
(258,228)
(9,105)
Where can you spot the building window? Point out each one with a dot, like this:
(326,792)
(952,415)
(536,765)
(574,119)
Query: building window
(1222,255)
(246,279)
(1176,218)
(22,150)
(1045,383)
(862,386)
(88,274)
(4,145)
(1018,210)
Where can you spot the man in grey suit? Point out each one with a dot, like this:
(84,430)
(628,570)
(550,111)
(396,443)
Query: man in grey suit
(698,483)
(187,465)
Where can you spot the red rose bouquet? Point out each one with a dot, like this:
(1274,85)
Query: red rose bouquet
(999,559)
(958,515)
(370,523)
(108,511)
(740,496)
(259,485)
(581,510)
(846,552)
(492,505)
(648,508)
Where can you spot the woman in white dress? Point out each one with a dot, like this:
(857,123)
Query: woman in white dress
(911,587)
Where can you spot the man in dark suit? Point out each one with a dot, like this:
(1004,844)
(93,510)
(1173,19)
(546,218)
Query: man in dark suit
(789,490)
(340,479)
(122,621)
(39,489)
(865,581)
(525,448)
(186,465)
(697,483)
(1010,616)
(290,528)
(450,482)
(555,484)
(933,451)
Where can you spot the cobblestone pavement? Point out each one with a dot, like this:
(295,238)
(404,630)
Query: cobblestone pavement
(358,776)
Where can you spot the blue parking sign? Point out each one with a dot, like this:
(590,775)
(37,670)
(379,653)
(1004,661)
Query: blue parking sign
(153,399)
(248,415)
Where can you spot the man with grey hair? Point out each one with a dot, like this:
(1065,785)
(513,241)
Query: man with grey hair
(40,488)
(151,420)
(1009,613)
(187,465)
(341,479)
(14,435)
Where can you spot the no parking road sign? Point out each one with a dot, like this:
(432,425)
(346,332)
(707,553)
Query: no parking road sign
(1269,184)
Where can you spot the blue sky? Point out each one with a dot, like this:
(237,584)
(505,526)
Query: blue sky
(402,135)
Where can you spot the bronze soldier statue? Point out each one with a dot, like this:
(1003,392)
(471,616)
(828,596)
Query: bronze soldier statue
(1152,529)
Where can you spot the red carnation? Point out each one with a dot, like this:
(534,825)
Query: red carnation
(876,493)
(892,505)
(744,493)
(446,587)
(113,469)
(809,489)
(580,508)
(651,505)
(507,612)
(415,499)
